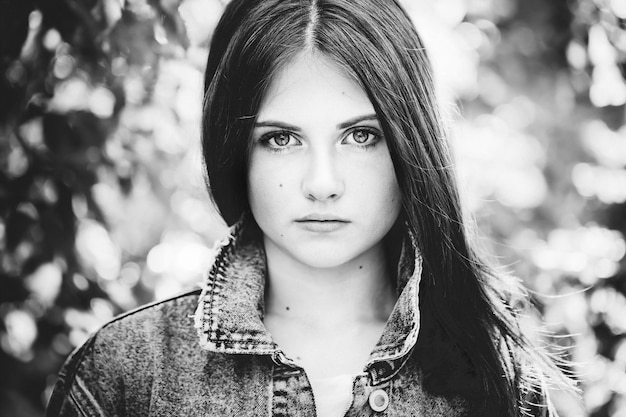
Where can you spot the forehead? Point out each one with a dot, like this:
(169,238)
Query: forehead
(313,83)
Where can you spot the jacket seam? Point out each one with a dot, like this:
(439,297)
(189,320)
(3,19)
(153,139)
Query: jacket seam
(79,385)
(190,293)
(77,404)
(205,320)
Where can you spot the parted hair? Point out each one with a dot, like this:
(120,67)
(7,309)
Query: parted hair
(469,339)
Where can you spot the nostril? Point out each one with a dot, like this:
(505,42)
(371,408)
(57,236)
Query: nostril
(322,181)
(323,196)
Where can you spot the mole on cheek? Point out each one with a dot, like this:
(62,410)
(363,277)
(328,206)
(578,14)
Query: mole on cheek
(280,185)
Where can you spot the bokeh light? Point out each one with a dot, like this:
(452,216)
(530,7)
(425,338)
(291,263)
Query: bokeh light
(104,205)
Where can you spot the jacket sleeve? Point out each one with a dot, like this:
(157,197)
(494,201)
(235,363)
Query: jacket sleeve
(88,384)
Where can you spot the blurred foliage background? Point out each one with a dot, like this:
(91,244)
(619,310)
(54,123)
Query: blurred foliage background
(102,199)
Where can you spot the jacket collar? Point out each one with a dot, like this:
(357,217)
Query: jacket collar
(229,316)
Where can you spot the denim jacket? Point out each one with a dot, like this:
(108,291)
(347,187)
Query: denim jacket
(208,353)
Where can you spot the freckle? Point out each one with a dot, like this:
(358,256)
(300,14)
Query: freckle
(298,358)
(287,308)
(360,266)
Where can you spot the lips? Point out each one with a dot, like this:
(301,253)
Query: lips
(322,223)
(321,218)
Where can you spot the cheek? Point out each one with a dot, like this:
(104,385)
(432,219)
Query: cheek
(389,200)
(257,191)
(393,199)
(379,186)
(266,188)
(391,184)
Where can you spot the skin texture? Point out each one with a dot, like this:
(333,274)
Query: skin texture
(320,170)
(318,154)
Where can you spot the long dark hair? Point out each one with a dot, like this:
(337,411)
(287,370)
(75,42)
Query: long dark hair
(469,335)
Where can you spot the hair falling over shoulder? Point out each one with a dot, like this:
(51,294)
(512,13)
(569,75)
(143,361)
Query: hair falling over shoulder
(470,338)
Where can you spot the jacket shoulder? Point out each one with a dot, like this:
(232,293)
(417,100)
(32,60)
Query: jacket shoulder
(121,352)
(175,307)
(144,327)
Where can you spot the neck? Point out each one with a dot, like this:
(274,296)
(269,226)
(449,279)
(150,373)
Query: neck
(359,291)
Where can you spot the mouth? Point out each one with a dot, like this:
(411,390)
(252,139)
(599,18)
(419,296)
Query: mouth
(321,218)
(322,223)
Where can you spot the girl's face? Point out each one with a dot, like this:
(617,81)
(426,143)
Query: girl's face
(321,182)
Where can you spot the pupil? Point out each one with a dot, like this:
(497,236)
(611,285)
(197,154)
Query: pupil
(282,139)
(360,136)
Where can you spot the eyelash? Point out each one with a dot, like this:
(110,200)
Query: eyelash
(265,139)
(367,130)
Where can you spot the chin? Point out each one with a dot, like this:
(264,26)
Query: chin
(330,257)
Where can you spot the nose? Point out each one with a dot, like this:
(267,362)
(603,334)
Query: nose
(322,180)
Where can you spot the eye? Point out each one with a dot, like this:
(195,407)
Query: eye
(279,140)
(362,136)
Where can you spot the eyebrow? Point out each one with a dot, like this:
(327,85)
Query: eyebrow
(343,125)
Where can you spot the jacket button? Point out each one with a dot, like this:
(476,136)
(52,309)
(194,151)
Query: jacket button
(379,400)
